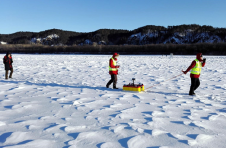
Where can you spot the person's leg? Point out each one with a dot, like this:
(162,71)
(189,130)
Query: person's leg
(115,81)
(11,73)
(109,83)
(197,83)
(6,74)
(193,84)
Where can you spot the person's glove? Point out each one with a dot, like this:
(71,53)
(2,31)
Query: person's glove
(117,66)
(184,72)
(204,60)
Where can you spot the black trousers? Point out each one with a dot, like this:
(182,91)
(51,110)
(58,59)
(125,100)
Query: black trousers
(194,85)
(114,80)
(10,75)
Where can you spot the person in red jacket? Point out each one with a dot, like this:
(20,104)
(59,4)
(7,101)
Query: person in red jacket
(113,70)
(8,60)
(195,68)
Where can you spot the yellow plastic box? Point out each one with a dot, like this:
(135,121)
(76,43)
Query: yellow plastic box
(133,88)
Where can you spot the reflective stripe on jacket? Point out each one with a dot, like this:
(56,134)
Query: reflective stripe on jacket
(197,69)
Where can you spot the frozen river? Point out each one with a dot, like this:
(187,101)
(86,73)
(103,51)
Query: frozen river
(57,101)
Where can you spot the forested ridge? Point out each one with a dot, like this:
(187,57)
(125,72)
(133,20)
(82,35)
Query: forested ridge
(150,34)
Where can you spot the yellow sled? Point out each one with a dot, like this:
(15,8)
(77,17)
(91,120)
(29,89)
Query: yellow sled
(133,87)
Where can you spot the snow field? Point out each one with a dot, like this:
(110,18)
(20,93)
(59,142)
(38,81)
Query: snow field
(61,101)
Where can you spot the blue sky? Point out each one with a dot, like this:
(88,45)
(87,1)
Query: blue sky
(91,15)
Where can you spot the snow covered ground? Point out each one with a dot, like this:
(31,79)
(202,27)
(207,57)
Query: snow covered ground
(57,101)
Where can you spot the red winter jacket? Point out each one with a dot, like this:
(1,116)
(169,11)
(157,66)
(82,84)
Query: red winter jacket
(112,66)
(198,56)
(8,62)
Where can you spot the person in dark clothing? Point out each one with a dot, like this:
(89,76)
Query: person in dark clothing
(195,68)
(8,60)
(113,71)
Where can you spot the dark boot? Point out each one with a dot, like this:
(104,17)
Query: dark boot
(114,86)
(192,94)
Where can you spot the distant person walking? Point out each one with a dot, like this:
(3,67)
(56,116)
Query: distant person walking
(8,60)
(195,68)
(113,70)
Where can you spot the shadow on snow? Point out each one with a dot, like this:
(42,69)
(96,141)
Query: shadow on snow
(61,85)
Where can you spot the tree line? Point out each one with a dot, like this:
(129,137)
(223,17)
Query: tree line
(183,49)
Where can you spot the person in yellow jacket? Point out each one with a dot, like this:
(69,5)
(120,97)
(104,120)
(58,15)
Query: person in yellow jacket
(113,70)
(195,68)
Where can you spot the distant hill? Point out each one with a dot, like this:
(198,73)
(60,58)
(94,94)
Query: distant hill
(150,34)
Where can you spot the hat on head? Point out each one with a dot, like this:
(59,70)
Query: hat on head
(198,56)
(115,54)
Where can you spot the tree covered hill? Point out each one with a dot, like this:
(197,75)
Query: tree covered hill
(150,34)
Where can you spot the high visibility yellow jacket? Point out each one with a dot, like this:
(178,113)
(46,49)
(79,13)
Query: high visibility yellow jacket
(197,69)
(112,66)
(193,64)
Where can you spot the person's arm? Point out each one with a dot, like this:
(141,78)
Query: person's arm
(12,60)
(5,60)
(204,62)
(190,67)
